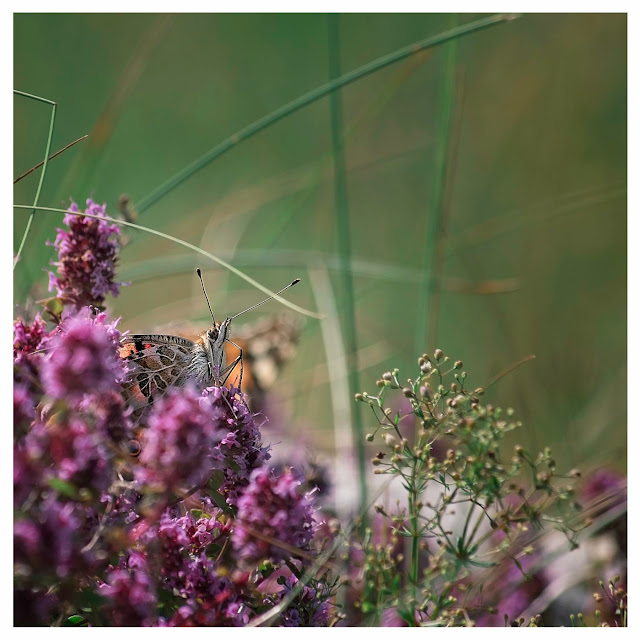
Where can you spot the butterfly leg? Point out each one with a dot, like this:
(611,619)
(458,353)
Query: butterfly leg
(236,362)
(227,371)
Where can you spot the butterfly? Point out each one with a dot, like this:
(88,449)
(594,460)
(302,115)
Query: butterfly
(158,362)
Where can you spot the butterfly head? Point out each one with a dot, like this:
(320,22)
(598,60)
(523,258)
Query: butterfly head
(218,333)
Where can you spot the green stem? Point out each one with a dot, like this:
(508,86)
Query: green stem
(312,96)
(435,211)
(44,169)
(341,211)
(414,514)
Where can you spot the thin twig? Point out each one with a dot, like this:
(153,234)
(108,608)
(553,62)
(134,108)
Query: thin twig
(508,370)
(51,157)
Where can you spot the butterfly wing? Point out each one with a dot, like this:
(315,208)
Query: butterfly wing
(156,362)
(267,346)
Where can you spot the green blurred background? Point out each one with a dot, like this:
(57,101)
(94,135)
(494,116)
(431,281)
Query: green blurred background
(532,230)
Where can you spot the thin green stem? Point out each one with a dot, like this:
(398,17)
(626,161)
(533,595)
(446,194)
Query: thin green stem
(435,211)
(312,96)
(341,212)
(414,514)
(44,170)
(208,255)
(33,97)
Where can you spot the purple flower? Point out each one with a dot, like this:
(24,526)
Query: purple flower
(179,450)
(207,596)
(27,338)
(51,542)
(110,417)
(23,409)
(604,487)
(309,608)
(203,531)
(78,454)
(84,359)
(130,594)
(87,255)
(240,444)
(272,506)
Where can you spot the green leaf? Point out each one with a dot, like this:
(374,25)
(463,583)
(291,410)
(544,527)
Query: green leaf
(63,487)
(216,480)
(220,501)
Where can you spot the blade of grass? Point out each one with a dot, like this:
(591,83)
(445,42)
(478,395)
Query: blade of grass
(341,212)
(44,169)
(51,157)
(312,96)
(208,255)
(435,210)
(341,399)
(445,208)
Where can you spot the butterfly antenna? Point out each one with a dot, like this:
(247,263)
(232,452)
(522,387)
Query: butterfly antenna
(267,299)
(205,294)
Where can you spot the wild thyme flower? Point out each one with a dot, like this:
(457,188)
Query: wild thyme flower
(204,531)
(130,595)
(27,338)
(240,445)
(75,452)
(23,409)
(180,447)
(309,608)
(87,254)
(84,359)
(272,506)
(51,541)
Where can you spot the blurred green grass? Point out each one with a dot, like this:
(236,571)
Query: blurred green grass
(537,192)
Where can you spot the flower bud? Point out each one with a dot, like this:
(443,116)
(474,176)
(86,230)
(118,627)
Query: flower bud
(438,354)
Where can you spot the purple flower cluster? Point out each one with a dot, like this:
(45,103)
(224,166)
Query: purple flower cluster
(204,531)
(309,608)
(83,359)
(87,255)
(180,447)
(239,445)
(130,594)
(52,541)
(92,520)
(272,507)
(208,598)
(27,338)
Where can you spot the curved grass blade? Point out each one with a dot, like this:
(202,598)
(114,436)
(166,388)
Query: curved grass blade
(208,255)
(313,95)
(44,169)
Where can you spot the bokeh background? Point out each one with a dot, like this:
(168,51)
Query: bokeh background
(527,242)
